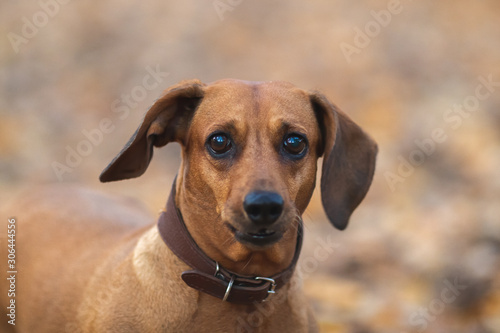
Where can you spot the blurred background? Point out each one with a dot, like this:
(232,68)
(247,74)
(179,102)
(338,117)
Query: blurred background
(421,253)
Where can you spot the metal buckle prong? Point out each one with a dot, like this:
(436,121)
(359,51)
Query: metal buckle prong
(228,290)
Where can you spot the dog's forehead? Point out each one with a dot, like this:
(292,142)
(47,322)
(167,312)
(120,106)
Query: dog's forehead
(252,89)
(249,99)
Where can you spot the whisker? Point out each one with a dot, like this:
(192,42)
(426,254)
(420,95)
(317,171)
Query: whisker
(248,262)
(229,240)
(298,220)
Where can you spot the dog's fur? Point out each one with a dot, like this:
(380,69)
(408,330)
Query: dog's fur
(91,263)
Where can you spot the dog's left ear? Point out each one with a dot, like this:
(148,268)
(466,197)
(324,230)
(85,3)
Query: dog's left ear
(348,161)
(166,121)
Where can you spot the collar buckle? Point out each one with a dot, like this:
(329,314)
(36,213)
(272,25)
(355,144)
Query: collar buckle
(272,286)
(271,290)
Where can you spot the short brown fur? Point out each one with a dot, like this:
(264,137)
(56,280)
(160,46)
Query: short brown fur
(91,263)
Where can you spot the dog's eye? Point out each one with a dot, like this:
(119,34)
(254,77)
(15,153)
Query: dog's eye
(219,144)
(295,144)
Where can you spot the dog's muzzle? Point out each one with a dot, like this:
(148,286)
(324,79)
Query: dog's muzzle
(207,275)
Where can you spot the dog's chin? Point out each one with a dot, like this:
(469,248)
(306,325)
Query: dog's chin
(259,240)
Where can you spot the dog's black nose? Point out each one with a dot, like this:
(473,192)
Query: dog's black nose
(262,207)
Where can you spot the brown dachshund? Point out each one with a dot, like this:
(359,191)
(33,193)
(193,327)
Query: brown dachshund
(227,243)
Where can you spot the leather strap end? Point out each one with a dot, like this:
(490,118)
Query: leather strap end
(216,287)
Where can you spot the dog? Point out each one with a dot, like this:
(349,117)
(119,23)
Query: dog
(227,243)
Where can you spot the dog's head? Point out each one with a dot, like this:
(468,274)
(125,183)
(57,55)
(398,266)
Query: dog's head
(249,157)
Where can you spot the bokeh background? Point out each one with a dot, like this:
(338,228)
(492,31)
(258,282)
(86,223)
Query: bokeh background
(421,253)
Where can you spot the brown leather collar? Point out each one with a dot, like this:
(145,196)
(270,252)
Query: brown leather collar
(207,276)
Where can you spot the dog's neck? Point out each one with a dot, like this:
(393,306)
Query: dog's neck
(207,274)
(202,218)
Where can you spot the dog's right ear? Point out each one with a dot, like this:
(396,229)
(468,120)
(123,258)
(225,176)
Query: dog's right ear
(166,121)
(348,161)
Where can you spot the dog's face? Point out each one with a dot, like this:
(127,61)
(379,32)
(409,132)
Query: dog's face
(249,164)
(249,156)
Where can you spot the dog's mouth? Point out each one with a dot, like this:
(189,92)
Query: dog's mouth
(262,237)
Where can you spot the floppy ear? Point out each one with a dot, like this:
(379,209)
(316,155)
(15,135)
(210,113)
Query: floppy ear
(348,161)
(166,121)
